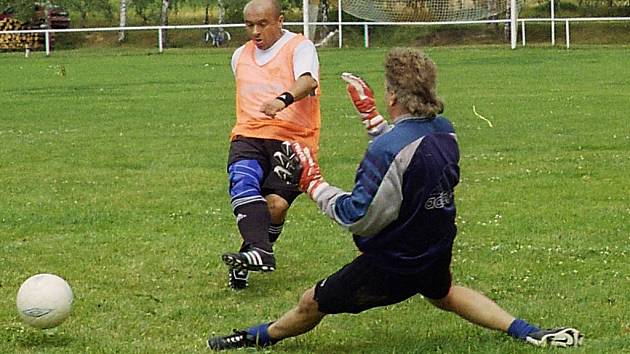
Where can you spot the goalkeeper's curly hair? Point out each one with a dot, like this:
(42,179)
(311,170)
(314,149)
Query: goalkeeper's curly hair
(411,76)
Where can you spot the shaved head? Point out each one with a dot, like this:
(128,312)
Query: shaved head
(264,5)
(263,22)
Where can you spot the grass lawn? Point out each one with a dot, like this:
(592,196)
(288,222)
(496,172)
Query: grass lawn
(112,175)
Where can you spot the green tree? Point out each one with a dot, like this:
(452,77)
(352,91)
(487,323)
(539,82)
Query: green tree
(147,10)
(234,11)
(85,8)
(21,9)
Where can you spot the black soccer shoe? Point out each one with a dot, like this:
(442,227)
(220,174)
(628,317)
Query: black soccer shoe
(238,278)
(239,339)
(556,337)
(254,259)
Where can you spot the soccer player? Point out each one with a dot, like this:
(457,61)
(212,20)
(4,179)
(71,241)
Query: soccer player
(277,99)
(401,213)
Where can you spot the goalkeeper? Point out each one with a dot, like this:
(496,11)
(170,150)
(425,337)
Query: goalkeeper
(401,213)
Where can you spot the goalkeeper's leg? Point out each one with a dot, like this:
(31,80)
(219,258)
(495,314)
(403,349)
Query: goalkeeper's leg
(302,318)
(475,307)
(479,309)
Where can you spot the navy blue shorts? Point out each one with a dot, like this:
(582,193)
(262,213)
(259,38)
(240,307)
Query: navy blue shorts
(362,285)
(262,150)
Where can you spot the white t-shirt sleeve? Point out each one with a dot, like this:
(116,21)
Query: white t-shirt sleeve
(305,60)
(235,56)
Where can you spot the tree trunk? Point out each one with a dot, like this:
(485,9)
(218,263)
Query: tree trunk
(221,10)
(206,19)
(164,20)
(123,21)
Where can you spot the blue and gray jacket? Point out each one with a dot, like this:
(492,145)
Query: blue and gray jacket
(401,210)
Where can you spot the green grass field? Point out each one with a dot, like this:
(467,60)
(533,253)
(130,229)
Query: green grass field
(112,175)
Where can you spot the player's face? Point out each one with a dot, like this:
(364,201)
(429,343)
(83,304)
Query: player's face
(263,26)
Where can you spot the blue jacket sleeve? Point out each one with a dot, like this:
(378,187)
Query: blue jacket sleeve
(377,195)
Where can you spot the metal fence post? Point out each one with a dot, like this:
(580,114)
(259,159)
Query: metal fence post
(553,22)
(567,32)
(339,19)
(160,46)
(47,36)
(513,27)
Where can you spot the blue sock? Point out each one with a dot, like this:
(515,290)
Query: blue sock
(261,334)
(520,329)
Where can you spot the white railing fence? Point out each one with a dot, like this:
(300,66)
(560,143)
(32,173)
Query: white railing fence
(339,24)
(566,22)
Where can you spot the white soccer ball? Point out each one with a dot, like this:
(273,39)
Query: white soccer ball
(44,301)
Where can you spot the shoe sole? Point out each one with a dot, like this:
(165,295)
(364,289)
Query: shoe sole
(240,265)
(237,283)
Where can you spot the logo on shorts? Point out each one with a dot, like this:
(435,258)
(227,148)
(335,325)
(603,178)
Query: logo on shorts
(240,217)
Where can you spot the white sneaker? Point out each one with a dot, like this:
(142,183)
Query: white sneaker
(556,337)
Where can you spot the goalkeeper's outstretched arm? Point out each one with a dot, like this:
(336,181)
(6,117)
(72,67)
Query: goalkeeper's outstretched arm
(296,165)
(363,99)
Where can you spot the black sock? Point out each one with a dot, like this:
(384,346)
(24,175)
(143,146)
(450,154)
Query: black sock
(274,231)
(253,220)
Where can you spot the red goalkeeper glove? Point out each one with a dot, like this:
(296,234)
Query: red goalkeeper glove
(297,166)
(363,99)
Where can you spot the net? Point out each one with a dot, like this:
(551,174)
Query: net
(428,10)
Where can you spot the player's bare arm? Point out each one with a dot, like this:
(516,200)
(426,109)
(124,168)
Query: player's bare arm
(302,87)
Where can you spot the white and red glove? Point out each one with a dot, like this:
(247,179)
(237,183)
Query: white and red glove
(363,99)
(296,165)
